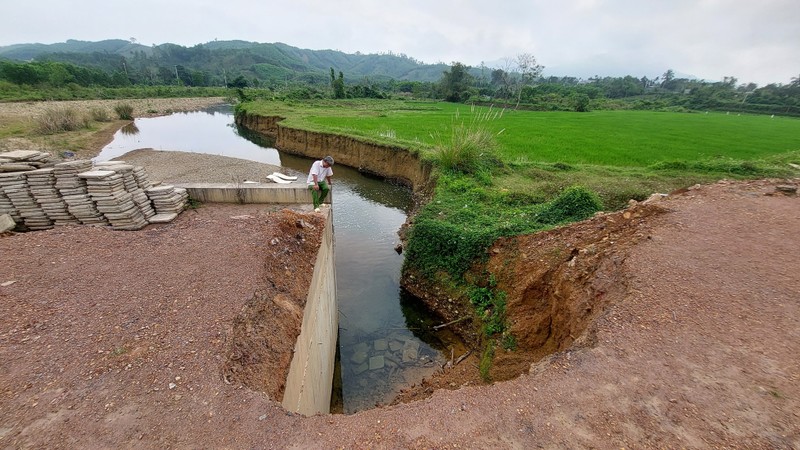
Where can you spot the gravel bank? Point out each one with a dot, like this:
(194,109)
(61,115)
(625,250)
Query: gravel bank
(186,167)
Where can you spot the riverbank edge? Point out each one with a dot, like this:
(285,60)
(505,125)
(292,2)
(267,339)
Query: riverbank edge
(395,164)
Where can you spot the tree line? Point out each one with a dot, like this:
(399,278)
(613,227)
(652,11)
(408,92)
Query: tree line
(520,84)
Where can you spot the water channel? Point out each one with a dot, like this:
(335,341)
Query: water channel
(384,342)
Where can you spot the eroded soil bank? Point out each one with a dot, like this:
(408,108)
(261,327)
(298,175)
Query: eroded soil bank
(394,163)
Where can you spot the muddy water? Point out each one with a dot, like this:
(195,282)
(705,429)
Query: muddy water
(385,342)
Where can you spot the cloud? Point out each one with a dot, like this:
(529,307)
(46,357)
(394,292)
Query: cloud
(751,40)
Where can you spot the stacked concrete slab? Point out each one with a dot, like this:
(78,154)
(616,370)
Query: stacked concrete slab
(131,182)
(168,201)
(32,215)
(79,192)
(75,193)
(23,160)
(107,190)
(13,180)
(42,185)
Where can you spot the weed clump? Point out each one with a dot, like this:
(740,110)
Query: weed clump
(100,115)
(57,120)
(470,147)
(574,204)
(124,111)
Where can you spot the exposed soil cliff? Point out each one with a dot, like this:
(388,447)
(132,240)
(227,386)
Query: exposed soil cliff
(394,163)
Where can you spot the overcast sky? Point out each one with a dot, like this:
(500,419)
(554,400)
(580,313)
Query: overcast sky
(752,40)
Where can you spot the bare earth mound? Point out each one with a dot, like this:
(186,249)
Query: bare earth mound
(123,339)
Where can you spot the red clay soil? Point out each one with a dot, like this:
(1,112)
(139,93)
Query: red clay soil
(687,320)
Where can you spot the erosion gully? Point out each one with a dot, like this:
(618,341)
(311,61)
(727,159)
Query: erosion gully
(386,342)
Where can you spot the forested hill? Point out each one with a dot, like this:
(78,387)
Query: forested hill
(215,62)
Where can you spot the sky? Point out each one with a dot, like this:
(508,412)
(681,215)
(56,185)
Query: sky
(752,40)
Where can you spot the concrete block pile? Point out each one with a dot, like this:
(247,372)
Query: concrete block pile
(113,193)
(22,160)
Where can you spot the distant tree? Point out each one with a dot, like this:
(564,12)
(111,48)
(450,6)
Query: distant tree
(667,80)
(581,102)
(529,71)
(501,82)
(796,81)
(455,83)
(338,85)
(239,82)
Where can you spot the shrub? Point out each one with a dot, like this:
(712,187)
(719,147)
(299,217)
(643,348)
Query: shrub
(100,115)
(57,120)
(574,204)
(437,245)
(124,111)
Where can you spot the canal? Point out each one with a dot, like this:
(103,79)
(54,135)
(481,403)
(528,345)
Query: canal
(385,342)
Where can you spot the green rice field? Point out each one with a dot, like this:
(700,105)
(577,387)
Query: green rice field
(607,138)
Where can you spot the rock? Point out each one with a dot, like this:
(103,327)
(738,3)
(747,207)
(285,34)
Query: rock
(361,369)
(173,385)
(380,344)
(361,347)
(395,345)
(786,188)
(359,357)
(6,223)
(376,362)
(410,350)
(654,198)
(399,248)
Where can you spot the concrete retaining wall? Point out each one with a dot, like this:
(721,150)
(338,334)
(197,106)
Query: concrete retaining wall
(310,378)
(249,193)
(308,386)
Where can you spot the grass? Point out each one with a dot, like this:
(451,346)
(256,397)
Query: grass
(60,119)
(606,138)
(124,111)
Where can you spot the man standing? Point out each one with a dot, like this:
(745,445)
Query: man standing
(319,180)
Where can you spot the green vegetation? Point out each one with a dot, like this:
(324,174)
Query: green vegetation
(57,120)
(486,362)
(124,111)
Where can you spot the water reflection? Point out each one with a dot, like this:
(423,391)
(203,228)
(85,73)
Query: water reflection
(212,132)
(129,129)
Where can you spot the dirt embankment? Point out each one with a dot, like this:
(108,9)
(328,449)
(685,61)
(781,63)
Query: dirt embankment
(556,282)
(394,163)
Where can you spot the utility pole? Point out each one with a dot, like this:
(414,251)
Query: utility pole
(176,74)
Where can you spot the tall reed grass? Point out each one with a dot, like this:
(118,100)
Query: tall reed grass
(470,145)
(57,120)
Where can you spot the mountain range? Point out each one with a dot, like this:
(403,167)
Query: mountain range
(265,61)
